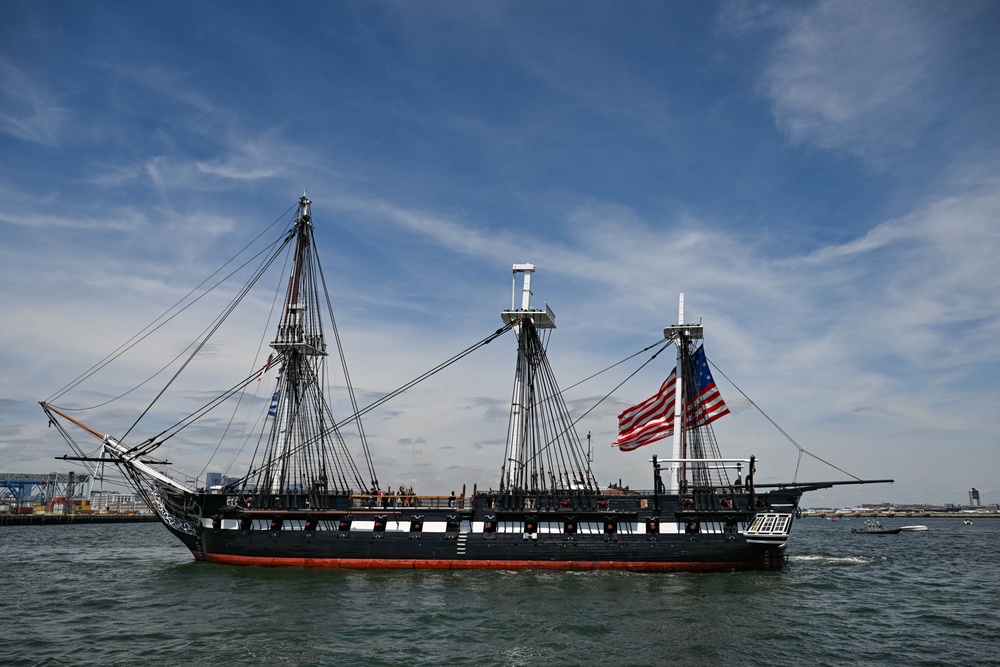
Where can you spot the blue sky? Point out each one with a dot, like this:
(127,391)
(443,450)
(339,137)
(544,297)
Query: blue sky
(820,179)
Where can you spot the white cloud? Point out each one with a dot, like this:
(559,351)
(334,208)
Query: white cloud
(170,83)
(124,220)
(453,234)
(854,75)
(29,111)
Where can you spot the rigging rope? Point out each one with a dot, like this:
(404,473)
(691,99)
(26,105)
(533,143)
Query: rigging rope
(606,396)
(420,378)
(152,327)
(220,320)
(232,418)
(801,449)
(347,378)
(409,385)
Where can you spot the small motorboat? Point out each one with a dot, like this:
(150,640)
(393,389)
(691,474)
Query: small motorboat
(968,522)
(875,527)
(913,529)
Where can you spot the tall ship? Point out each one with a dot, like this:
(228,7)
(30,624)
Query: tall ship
(309,499)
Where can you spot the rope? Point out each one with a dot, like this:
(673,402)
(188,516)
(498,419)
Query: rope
(363,411)
(606,396)
(802,450)
(150,328)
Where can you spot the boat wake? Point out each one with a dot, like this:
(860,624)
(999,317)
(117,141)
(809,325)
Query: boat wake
(835,560)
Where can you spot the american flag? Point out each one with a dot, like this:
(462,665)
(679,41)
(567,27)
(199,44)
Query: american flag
(653,419)
(707,405)
(650,420)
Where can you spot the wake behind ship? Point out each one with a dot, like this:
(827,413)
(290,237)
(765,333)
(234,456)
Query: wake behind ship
(304,501)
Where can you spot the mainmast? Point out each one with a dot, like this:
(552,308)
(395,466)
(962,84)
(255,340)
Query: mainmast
(544,452)
(525,321)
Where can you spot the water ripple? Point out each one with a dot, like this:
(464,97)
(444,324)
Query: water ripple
(129,594)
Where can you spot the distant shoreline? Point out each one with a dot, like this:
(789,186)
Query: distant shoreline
(64,519)
(826,514)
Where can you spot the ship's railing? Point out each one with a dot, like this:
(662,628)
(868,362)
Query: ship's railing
(706,498)
(385,501)
(721,499)
(716,490)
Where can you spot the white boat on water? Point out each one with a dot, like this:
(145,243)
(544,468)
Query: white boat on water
(913,529)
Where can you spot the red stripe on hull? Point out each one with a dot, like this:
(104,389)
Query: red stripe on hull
(441,564)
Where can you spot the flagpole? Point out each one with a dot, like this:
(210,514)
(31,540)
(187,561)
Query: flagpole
(682,335)
(677,453)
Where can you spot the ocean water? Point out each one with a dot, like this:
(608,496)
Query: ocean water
(129,594)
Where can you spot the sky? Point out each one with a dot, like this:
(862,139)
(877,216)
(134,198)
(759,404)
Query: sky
(820,179)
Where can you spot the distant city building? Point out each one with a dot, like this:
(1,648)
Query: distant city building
(116,502)
(214,481)
(974,497)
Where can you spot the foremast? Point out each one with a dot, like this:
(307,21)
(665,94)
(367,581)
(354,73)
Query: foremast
(305,453)
(300,343)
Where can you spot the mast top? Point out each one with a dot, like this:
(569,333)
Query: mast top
(305,210)
(298,330)
(542,319)
(682,331)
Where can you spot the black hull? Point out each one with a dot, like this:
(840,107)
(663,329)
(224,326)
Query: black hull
(500,552)
(592,533)
(192,542)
